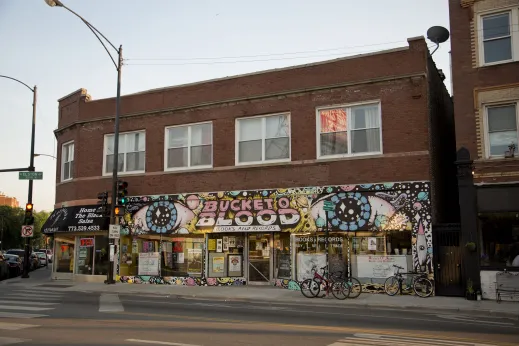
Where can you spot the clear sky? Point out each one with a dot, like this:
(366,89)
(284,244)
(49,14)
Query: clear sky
(53,49)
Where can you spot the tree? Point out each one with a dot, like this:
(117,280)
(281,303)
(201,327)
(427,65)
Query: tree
(11,221)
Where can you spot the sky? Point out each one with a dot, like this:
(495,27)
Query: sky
(188,41)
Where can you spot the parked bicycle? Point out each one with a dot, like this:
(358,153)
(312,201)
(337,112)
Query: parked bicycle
(339,287)
(420,284)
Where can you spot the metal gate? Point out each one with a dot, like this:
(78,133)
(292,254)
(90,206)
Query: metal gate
(448,256)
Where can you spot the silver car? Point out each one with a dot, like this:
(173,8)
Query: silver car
(42,258)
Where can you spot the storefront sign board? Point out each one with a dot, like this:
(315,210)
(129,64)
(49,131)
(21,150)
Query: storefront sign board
(149,263)
(76,219)
(379,267)
(86,242)
(239,229)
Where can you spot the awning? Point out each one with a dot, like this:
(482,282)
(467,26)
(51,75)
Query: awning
(82,218)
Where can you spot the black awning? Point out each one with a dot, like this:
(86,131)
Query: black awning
(83,218)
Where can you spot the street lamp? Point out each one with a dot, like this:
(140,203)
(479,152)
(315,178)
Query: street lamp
(54,157)
(118,67)
(34,90)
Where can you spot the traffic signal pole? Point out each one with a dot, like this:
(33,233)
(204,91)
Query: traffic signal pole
(25,274)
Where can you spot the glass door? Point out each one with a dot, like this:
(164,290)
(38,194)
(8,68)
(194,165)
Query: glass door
(259,258)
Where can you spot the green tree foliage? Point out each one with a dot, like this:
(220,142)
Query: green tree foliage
(11,221)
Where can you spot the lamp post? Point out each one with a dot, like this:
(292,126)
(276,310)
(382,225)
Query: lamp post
(118,67)
(34,90)
(54,157)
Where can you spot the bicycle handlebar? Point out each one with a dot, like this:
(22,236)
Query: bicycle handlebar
(394,265)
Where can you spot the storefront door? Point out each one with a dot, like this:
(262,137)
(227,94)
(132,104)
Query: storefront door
(260,260)
(64,251)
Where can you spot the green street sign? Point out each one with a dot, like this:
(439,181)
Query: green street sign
(30,175)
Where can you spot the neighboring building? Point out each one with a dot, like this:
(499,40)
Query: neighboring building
(485,72)
(229,176)
(9,201)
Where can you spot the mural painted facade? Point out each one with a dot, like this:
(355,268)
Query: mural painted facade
(384,207)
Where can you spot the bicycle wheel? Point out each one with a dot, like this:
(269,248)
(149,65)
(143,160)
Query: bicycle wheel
(391,286)
(310,288)
(423,287)
(341,289)
(355,287)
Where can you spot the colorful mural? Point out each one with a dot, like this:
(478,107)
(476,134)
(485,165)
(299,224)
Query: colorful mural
(182,281)
(365,207)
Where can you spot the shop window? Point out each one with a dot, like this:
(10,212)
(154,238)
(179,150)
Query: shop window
(102,256)
(500,240)
(226,256)
(182,256)
(64,254)
(85,256)
(282,256)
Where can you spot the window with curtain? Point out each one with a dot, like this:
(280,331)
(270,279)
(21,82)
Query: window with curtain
(132,152)
(502,128)
(497,37)
(67,158)
(347,130)
(263,139)
(189,146)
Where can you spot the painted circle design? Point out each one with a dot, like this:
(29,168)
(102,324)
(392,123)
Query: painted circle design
(161,217)
(352,211)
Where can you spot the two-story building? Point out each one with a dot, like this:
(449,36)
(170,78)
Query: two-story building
(228,178)
(485,71)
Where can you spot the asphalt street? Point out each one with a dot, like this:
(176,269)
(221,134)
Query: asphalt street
(52,316)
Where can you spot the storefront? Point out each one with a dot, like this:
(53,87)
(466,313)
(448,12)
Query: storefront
(81,248)
(276,236)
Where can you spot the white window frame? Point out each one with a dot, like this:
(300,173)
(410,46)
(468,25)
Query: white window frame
(189,167)
(263,127)
(485,122)
(63,160)
(105,149)
(514,23)
(348,107)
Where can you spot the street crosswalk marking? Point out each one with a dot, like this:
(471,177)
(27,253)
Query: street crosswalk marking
(27,304)
(390,340)
(24,302)
(110,303)
(11,341)
(16,326)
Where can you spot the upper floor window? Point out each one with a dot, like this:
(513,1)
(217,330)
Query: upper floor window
(189,146)
(501,128)
(498,40)
(263,139)
(132,153)
(67,161)
(349,130)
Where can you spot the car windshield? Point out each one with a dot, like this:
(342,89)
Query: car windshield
(41,255)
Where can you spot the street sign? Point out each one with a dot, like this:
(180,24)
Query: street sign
(114,232)
(328,206)
(30,175)
(27,231)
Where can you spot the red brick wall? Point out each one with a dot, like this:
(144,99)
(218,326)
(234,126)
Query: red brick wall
(404,126)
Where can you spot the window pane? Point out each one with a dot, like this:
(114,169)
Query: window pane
(365,141)
(502,118)
(177,157)
(334,143)
(135,142)
(365,117)
(201,134)
(201,155)
(110,144)
(66,171)
(499,141)
(277,126)
(177,137)
(496,26)
(110,163)
(135,161)
(71,170)
(71,152)
(277,148)
(498,50)
(249,151)
(333,120)
(250,129)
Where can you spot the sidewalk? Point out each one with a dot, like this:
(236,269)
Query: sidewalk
(273,295)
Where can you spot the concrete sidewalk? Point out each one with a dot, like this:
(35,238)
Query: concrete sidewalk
(273,295)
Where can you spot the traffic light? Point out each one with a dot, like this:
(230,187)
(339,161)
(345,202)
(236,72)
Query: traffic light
(29,218)
(119,211)
(122,192)
(103,202)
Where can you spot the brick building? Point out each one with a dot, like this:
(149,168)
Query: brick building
(9,201)
(485,71)
(228,177)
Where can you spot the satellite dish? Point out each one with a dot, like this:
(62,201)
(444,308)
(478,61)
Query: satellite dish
(437,34)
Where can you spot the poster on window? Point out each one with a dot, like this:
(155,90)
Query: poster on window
(218,264)
(149,263)
(232,241)
(333,120)
(372,244)
(225,246)
(225,241)
(219,245)
(234,265)
(180,257)
(194,261)
(211,244)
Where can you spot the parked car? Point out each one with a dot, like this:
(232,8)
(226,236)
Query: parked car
(4,268)
(48,252)
(34,261)
(42,257)
(15,265)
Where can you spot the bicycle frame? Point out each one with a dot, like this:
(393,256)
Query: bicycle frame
(400,277)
